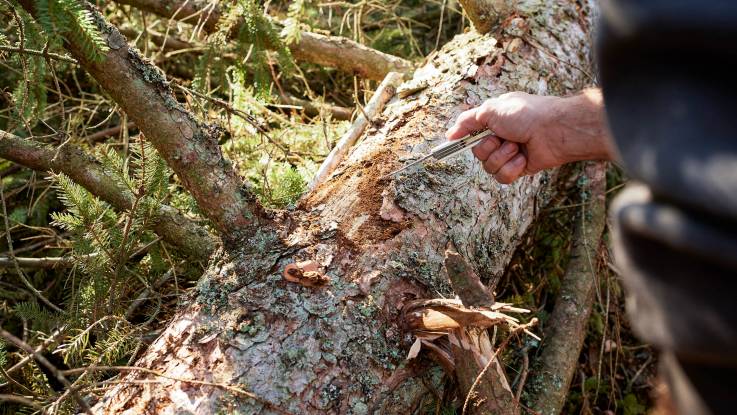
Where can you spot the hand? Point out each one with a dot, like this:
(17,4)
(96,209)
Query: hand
(536,132)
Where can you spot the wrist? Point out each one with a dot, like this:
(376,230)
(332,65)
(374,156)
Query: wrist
(578,128)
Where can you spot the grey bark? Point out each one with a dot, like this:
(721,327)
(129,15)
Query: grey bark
(335,347)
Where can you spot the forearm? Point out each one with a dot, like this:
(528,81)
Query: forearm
(579,125)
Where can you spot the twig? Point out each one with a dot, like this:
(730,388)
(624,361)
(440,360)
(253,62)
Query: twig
(42,263)
(4,397)
(523,376)
(108,132)
(43,361)
(40,348)
(145,293)
(247,117)
(45,54)
(21,275)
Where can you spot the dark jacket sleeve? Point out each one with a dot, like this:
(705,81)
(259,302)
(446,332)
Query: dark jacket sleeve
(669,76)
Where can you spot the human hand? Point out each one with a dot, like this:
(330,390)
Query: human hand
(536,132)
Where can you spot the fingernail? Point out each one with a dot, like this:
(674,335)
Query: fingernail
(509,148)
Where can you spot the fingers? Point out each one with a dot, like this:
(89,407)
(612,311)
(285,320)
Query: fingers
(512,170)
(467,123)
(500,157)
(483,150)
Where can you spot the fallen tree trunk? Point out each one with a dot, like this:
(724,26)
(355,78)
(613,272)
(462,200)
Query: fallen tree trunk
(304,318)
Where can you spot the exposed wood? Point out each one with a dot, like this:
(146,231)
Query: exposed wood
(332,51)
(472,353)
(566,328)
(175,228)
(189,146)
(328,348)
(381,96)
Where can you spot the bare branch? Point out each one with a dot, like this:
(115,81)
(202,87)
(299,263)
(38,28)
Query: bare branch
(108,132)
(487,14)
(42,263)
(332,51)
(86,171)
(566,327)
(10,338)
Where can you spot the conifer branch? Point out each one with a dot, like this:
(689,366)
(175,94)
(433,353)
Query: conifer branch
(190,238)
(189,146)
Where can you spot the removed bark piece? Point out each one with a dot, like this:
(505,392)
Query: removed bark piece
(383,94)
(566,328)
(486,392)
(306,273)
(447,314)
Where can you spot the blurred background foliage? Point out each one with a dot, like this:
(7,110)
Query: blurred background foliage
(110,284)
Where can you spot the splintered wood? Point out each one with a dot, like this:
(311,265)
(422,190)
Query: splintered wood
(454,332)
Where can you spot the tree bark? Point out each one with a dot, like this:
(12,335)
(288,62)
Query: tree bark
(328,339)
(486,15)
(332,51)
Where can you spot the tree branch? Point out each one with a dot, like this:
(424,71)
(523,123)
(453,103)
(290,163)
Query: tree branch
(86,171)
(189,146)
(566,328)
(332,51)
(487,14)
(43,361)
